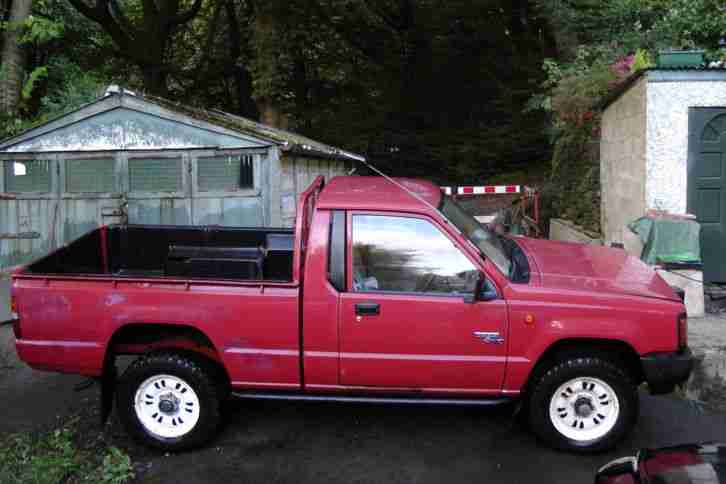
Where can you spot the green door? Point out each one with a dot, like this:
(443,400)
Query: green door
(707,186)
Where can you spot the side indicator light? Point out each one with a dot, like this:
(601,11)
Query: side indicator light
(529,319)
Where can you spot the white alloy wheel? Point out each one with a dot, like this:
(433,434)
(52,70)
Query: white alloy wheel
(167,406)
(584,409)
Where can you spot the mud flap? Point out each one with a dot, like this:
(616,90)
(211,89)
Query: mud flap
(108,386)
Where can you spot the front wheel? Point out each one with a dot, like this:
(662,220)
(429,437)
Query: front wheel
(583,404)
(169,401)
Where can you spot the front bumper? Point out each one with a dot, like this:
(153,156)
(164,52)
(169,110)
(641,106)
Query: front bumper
(663,371)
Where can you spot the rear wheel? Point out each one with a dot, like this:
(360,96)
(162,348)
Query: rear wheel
(169,401)
(583,404)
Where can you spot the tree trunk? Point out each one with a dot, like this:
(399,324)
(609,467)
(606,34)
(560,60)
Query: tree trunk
(154,78)
(242,79)
(144,44)
(264,33)
(246,106)
(271,115)
(12,60)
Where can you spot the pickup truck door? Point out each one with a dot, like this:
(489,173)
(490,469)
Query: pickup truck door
(404,321)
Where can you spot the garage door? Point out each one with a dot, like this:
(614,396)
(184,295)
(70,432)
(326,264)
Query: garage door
(707,186)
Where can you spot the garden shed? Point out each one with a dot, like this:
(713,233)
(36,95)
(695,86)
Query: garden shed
(128,158)
(663,147)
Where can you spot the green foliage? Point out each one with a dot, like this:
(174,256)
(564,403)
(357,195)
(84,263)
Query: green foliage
(48,460)
(580,84)
(36,75)
(643,60)
(692,24)
(456,91)
(434,89)
(116,467)
(54,458)
(62,72)
(570,93)
(40,30)
(602,43)
(70,87)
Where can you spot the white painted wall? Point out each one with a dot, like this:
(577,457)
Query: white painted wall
(668,103)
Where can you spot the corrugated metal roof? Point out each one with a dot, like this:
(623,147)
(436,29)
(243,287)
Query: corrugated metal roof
(287,140)
(290,141)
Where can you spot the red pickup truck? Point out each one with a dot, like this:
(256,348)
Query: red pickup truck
(385,291)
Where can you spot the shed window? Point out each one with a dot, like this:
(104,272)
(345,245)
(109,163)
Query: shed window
(27,176)
(225,173)
(90,175)
(155,174)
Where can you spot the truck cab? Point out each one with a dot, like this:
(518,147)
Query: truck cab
(385,291)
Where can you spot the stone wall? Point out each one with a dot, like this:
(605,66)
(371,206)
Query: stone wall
(623,162)
(561,229)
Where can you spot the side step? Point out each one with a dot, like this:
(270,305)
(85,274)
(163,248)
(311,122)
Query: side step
(407,400)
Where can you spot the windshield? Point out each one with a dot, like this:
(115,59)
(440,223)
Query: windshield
(491,244)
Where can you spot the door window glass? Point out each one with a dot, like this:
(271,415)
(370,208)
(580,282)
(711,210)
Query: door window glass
(402,254)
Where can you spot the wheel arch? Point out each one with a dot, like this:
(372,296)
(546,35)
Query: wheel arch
(616,350)
(143,338)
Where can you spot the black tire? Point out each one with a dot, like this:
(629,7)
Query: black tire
(195,372)
(547,383)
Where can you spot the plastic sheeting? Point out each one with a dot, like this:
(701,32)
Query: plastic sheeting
(668,239)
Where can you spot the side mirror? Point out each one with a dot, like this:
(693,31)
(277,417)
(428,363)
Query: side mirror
(483,291)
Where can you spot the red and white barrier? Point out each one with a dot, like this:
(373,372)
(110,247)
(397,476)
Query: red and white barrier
(489,190)
(483,190)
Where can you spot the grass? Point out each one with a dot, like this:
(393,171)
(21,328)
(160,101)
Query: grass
(61,456)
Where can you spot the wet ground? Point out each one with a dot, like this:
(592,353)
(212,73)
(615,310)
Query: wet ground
(270,442)
(287,442)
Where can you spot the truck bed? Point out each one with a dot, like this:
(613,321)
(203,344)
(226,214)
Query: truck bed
(210,252)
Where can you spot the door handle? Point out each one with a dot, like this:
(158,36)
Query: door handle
(367,309)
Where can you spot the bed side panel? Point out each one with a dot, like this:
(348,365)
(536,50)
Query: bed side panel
(67,323)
